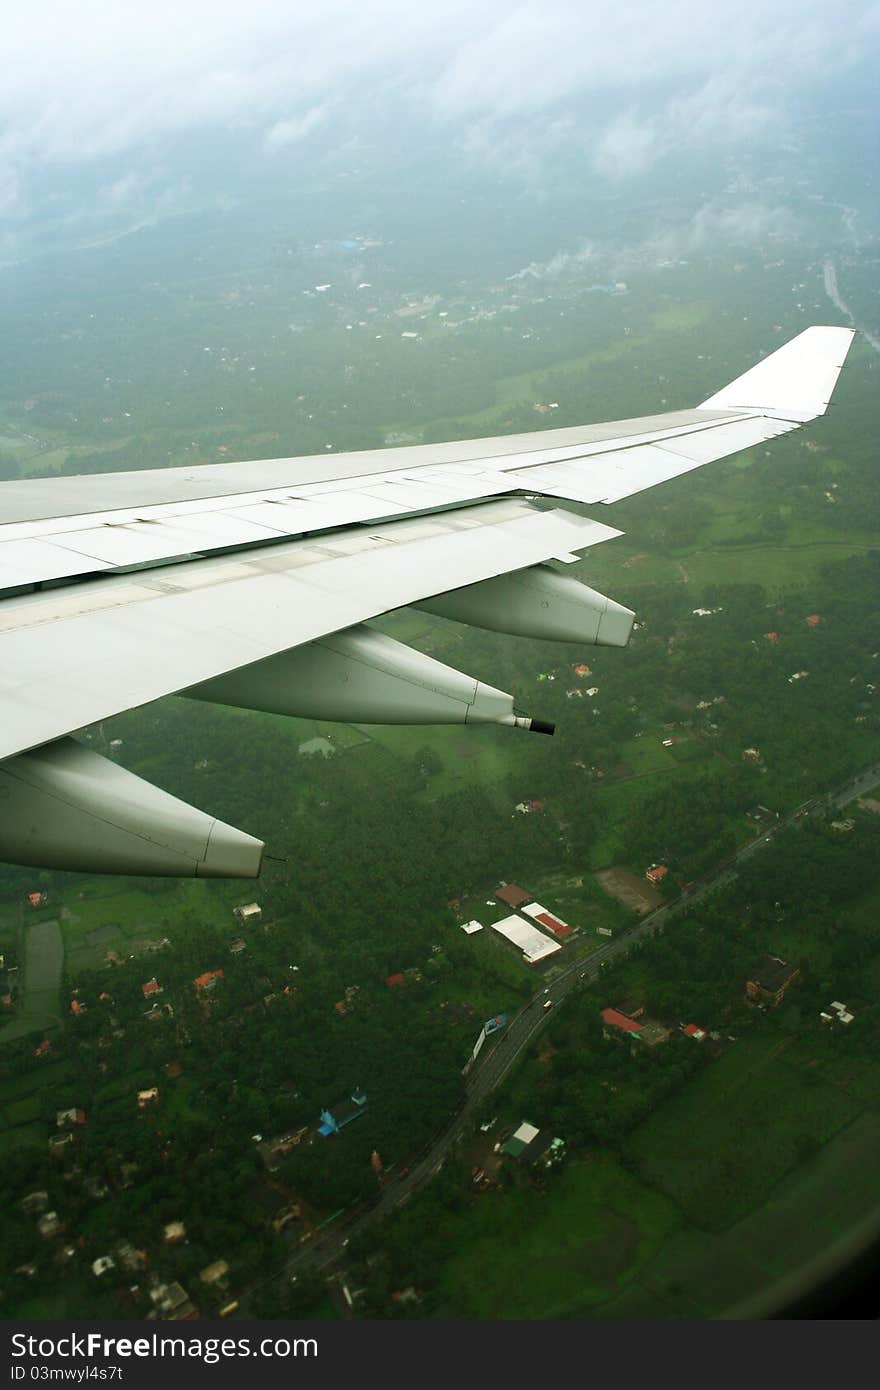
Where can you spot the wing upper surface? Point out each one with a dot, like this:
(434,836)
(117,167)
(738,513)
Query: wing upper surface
(74,655)
(321,543)
(51,529)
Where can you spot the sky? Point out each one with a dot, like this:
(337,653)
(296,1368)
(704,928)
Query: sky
(107,107)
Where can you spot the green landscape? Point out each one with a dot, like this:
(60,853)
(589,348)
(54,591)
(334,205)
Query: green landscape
(165,1059)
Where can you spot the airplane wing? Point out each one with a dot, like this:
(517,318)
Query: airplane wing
(251,584)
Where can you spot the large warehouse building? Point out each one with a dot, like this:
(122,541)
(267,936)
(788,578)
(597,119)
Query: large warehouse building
(533,943)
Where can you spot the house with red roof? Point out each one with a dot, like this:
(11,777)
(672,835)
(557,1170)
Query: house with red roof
(656,874)
(648,1032)
(612,1019)
(395,981)
(693,1030)
(150,988)
(512,895)
(208,980)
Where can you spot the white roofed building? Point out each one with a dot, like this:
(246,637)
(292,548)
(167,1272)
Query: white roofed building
(533,943)
(248,912)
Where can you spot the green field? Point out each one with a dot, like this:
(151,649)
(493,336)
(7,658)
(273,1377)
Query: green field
(779,1247)
(39,1005)
(554,1254)
(718,1147)
(21,1107)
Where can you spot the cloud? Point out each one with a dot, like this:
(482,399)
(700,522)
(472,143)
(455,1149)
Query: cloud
(294,129)
(715,225)
(564,262)
(87,83)
(626,148)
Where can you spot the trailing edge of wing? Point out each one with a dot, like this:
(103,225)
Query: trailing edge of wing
(118,642)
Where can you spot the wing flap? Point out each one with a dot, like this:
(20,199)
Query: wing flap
(117,643)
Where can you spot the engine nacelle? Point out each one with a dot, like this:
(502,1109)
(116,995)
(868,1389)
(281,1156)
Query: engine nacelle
(361,676)
(64,807)
(537,602)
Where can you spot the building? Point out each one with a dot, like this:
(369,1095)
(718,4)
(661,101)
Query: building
(65,1118)
(173,1232)
(150,988)
(693,1030)
(146,1097)
(648,1031)
(34,1202)
(840,1014)
(512,895)
(656,874)
(631,1008)
(534,944)
(272,1151)
(771,980)
(470,927)
(49,1224)
(520,1139)
(547,920)
(531,1146)
(248,913)
(395,981)
(611,1019)
(173,1302)
(342,1113)
(207,981)
(215,1273)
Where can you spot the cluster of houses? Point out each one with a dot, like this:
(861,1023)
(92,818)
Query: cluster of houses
(839,1013)
(154,1296)
(532,928)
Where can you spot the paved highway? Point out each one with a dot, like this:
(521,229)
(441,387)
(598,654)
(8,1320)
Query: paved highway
(494,1063)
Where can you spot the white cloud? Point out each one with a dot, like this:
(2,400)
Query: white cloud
(91,81)
(626,148)
(294,129)
(715,225)
(564,262)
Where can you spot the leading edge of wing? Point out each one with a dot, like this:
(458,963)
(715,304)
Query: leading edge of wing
(51,529)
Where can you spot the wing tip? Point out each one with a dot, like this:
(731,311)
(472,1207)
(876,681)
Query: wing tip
(795,382)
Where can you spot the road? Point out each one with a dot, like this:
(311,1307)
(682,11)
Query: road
(324,1249)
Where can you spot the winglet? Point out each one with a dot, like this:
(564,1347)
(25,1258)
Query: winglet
(793,383)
